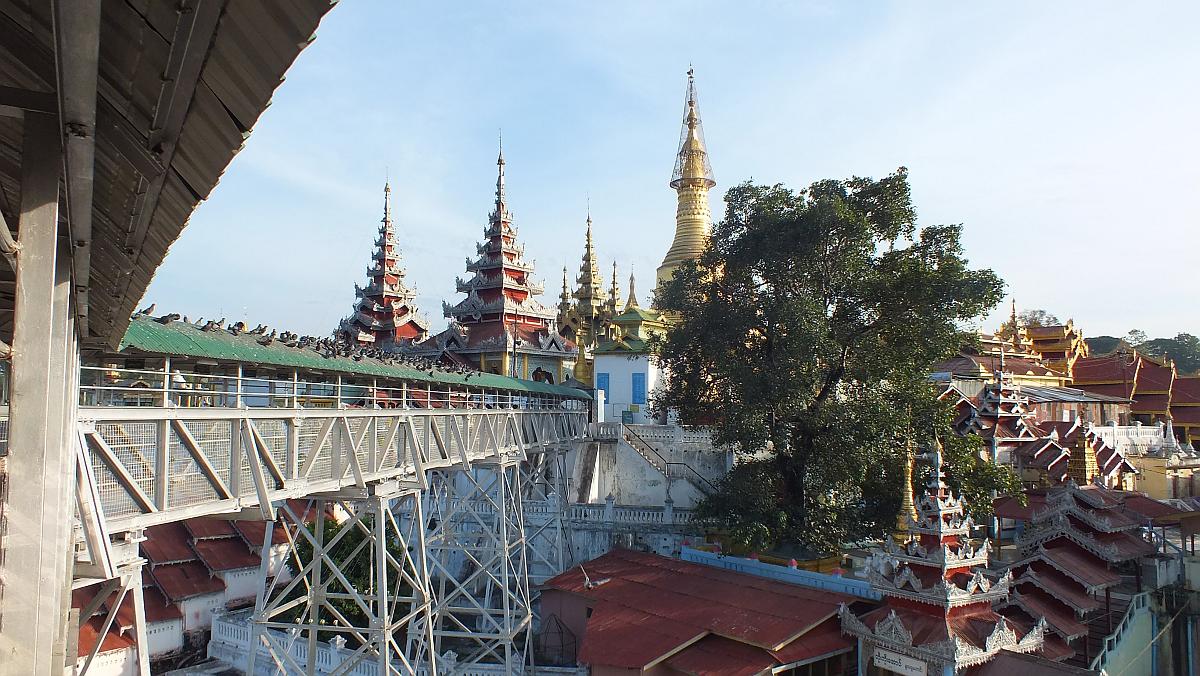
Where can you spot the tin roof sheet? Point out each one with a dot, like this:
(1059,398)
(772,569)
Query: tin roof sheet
(182,339)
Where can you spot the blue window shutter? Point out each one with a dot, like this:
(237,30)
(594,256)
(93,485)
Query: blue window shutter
(602,384)
(639,388)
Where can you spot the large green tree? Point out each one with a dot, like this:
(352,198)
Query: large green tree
(807,329)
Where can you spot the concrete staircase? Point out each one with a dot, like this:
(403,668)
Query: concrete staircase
(671,470)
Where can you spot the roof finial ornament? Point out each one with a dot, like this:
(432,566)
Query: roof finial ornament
(632,302)
(387,200)
(501,206)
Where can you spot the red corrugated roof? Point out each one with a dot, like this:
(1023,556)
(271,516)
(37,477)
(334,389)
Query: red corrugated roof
(1186,390)
(221,554)
(1007,663)
(158,609)
(255,531)
(89,633)
(1069,559)
(1154,377)
(167,543)
(619,636)
(718,656)
(1185,415)
(1150,403)
(1148,508)
(755,610)
(184,580)
(824,639)
(205,527)
(1040,604)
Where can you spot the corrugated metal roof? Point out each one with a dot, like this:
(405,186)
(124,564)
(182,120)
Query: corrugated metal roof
(753,610)
(1045,394)
(140,85)
(183,339)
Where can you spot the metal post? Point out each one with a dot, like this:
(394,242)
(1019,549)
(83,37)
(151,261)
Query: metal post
(39,518)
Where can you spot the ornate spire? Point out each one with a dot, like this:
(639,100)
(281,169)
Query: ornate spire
(383,310)
(564,301)
(614,293)
(501,203)
(691,179)
(632,302)
(502,288)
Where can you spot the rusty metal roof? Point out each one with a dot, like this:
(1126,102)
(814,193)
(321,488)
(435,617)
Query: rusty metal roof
(179,86)
(650,607)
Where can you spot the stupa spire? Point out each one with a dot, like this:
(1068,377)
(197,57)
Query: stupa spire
(614,293)
(632,302)
(691,179)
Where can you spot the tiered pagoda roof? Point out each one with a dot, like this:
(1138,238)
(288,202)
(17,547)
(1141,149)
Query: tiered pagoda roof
(384,313)
(938,600)
(1059,346)
(1002,417)
(1074,539)
(501,289)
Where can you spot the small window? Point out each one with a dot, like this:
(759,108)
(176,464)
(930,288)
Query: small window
(602,384)
(639,388)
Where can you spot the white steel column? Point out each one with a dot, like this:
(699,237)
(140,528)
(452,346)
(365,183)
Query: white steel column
(477,553)
(359,587)
(544,483)
(38,516)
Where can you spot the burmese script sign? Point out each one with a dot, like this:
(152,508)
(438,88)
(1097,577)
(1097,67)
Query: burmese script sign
(901,664)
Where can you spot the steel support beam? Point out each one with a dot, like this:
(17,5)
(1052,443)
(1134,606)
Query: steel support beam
(38,513)
(360,588)
(477,553)
(77,56)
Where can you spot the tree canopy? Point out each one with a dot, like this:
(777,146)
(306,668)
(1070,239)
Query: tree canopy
(1033,317)
(807,329)
(1183,349)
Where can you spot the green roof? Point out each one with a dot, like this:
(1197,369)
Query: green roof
(626,345)
(182,339)
(637,314)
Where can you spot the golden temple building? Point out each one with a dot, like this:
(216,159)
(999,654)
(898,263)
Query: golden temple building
(1060,346)
(692,179)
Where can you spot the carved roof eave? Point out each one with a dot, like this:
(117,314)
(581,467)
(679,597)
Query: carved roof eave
(891,634)
(487,264)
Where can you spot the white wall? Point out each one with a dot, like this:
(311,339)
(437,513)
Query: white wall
(120,662)
(164,637)
(620,370)
(240,584)
(197,611)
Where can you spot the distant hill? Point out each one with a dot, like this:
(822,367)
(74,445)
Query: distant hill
(1183,349)
(1099,345)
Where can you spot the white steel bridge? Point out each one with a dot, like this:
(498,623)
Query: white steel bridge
(443,471)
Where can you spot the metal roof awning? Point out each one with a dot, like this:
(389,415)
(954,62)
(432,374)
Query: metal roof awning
(153,99)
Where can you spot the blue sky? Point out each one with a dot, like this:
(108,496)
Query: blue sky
(1062,135)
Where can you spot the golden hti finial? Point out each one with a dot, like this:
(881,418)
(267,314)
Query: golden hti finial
(691,179)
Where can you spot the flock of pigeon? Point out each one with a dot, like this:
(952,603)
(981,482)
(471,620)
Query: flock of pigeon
(328,347)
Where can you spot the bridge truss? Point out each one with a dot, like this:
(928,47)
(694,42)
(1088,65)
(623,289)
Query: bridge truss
(434,504)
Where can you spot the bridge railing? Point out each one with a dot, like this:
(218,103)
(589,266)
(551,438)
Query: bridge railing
(248,388)
(151,464)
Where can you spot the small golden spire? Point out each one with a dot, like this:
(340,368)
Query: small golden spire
(632,302)
(908,509)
